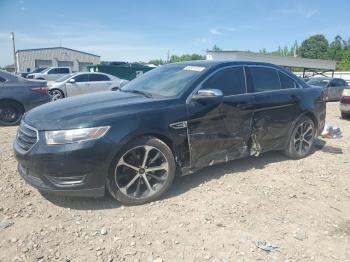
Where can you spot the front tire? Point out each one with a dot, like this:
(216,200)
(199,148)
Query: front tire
(142,172)
(302,138)
(10,113)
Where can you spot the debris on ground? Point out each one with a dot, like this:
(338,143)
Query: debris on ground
(268,247)
(330,131)
(5,224)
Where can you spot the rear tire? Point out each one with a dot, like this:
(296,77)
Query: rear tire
(142,171)
(10,113)
(302,138)
(345,115)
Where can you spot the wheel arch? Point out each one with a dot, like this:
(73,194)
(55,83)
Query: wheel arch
(162,136)
(64,92)
(307,113)
(11,100)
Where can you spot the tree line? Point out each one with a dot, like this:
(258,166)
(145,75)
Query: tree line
(315,47)
(318,47)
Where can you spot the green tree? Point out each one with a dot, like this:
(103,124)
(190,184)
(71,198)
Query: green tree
(157,62)
(336,48)
(315,46)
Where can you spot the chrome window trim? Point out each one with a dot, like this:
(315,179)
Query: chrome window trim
(188,99)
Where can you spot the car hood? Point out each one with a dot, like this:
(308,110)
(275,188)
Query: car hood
(87,110)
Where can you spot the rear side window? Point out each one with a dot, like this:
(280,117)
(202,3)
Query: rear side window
(264,79)
(63,70)
(230,81)
(82,78)
(98,77)
(54,71)
(286,81)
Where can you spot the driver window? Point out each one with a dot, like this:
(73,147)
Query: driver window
(230,81)
(81,78)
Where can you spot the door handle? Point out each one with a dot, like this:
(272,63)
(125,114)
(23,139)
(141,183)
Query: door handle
(244,106)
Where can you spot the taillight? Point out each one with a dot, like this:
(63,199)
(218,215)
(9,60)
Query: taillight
(345,100)
(40,90)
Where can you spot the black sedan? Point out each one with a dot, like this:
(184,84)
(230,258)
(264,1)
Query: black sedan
(18,95)
(175,119)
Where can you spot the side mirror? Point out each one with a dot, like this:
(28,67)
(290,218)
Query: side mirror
(204,94)
(72,81)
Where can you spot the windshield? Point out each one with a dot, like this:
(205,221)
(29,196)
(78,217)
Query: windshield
(164,81)
(38,70)
(318,82)
(64,78)
(45,70)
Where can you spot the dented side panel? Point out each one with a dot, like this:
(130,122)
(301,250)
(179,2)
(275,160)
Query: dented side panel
(274,114)
(219,131)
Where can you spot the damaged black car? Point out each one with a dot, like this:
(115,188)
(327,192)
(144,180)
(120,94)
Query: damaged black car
(175,119)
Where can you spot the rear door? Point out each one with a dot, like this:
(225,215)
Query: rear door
(79,87)
(276,102)
(98,83)
(219,131)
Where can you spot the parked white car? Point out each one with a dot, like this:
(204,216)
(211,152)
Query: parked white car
(50,73)
(84,83)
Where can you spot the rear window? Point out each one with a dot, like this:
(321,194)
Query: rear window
(63,70)
(264,79)
(98,77)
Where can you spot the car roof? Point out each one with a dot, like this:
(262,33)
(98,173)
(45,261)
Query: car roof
(212,63)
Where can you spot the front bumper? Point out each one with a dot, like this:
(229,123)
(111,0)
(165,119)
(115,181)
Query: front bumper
(78,169)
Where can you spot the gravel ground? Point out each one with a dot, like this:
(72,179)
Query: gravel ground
(300,208)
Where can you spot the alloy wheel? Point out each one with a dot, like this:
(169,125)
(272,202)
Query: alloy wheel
(8,114)
(141,172)
(55,95)
(303,138)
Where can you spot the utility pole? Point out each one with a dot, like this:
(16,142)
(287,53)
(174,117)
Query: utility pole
(14,51)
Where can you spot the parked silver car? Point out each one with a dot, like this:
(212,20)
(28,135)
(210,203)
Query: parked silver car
(50,73)
(84,83)
(333,86)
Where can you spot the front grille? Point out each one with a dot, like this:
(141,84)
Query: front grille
(27,136)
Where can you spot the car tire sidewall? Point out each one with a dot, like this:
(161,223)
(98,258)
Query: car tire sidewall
(150,141)
(290,151)
(19,113)
(56,90)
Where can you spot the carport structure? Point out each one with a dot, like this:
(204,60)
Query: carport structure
(310,67)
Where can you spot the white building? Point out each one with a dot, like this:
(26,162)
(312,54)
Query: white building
(29,59)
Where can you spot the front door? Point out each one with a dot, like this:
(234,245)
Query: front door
(79,87)
(219,131)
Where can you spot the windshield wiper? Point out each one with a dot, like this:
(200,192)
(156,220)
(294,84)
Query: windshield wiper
(144,93)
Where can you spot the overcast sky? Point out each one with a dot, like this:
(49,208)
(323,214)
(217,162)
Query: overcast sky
(139,30)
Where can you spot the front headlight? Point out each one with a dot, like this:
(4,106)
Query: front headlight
(75,135)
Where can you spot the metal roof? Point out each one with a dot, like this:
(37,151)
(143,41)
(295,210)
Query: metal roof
(58,47)
(273,59)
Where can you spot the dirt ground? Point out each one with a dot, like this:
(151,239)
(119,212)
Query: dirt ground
(300,208)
